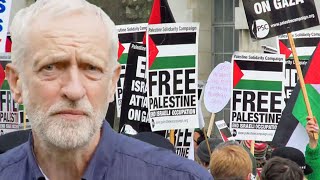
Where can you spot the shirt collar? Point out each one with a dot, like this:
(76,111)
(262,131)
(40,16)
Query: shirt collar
(98,165)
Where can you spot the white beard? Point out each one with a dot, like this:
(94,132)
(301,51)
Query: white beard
(62,133)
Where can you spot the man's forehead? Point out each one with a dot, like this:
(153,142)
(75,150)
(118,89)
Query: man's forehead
(77,27)
(78,19)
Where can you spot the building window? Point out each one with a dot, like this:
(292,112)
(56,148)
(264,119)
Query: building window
(225,38)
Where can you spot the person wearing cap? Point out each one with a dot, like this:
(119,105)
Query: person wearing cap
(203,152)
(278,168)
(294,155)
(313,150)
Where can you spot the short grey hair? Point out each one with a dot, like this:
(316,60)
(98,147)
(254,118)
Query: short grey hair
(21,24)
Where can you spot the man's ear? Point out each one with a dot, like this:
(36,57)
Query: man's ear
(14,81)
(115,78)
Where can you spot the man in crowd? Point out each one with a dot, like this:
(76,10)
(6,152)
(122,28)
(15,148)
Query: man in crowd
(278,168)
(230,162)
(294,155)
(203,154)
(64,71)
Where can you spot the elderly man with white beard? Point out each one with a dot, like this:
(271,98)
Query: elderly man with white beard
(64,70)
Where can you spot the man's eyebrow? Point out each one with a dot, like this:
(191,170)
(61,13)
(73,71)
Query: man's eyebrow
(89,58)
(52,58)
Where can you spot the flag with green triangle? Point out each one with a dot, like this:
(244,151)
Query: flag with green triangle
(291,128)
(306,42)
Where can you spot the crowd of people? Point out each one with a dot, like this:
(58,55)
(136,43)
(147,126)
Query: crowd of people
(282,163)
(64,70)
(233,160)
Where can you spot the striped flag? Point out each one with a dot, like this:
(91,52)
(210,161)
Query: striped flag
(305,42)
(258,75)
(291,131)
(176,50)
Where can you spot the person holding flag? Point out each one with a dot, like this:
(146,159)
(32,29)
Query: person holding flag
(313,150)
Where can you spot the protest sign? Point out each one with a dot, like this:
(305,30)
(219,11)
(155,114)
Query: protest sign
(127,33)
(217,91)
(218,88)
(223,130)
(173,75)
(182,141)
(11,113)
(306,42)
(268,18)
(256,99)
(134,109)
(5,8)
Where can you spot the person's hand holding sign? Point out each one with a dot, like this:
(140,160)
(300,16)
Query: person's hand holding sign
(312,127)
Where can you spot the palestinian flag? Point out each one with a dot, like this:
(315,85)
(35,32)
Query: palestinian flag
(304,47)
(128,34)
(291,131)
(175,50)
(257,75)
(160,13)
(305,42)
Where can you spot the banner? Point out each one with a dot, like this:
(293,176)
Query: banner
(173,75)
(5,8)
(183,140)
(256,99)
(11,113)
(218,88)
(268,18)
(134,110)
(305,42)
(127,34)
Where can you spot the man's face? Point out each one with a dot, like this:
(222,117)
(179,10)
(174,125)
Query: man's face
(68,79)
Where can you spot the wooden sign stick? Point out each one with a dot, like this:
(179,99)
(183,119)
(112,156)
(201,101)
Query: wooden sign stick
(210,127)
(252,147)
(207,142)
(301,80)
(172,136)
